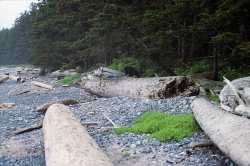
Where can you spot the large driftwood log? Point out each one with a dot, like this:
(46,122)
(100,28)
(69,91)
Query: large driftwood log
(66,141)
(42,85)
(230,133)
(44,107)
(143,88)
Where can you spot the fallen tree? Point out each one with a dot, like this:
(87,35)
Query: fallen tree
(42,85)
(44,107)
(66,142)
(3,78)
(15,78)
(34,126)
(143,88)
(229,132)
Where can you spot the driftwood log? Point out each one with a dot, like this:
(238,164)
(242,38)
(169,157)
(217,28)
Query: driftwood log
(229,132)
(106,72)
(3,78)
(42,85)
(62,74)
(44,107)
(67,143)
(34,126)
(15,78)
(143,88)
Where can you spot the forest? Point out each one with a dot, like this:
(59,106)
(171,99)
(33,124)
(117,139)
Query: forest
(166,37)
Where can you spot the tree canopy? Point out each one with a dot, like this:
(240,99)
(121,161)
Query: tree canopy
(169,33)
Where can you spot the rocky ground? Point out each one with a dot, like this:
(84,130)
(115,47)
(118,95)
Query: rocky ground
(127,149)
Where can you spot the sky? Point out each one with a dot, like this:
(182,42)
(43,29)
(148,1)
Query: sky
(11,9)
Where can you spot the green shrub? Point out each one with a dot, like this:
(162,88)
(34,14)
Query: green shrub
(69,80)
(163,127)
(214,98)
(232,73)
(199,67)
(146,67)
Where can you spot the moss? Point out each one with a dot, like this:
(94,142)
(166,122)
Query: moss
(214,98)
(69,80)
(163,127)
(126,154)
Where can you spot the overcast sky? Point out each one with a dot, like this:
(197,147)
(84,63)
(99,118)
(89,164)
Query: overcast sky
(11,9)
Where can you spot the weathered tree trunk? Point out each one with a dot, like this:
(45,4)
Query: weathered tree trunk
(143,88)
(44,107)
(42,85)
(66,141)
(229,132)
(3,78)
(15,78)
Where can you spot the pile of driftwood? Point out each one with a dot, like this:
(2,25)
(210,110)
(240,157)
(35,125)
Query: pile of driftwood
(235,96)
(228,131)
(3,78)
(68,143)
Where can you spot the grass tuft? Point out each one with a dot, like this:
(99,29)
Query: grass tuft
(163,127)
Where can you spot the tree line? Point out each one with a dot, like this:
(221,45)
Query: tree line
(166,33)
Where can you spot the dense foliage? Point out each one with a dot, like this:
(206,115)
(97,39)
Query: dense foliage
(164,34)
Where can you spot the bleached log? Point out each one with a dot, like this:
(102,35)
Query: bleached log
(115,72)
(242,110)
(226,92)
(6,105)
(67,143)
(245,94)
(44,107)
(15,78)
(59,73)
(143,88)
(106,72)
(229,132)
(240,100)
(4,78)
(34,126)
(92,77)
(42,85)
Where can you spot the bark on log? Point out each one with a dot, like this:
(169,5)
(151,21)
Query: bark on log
(15,78)
(4,78)
(42,85)
(143,88)
(66,141)
(44,107)
(230,133)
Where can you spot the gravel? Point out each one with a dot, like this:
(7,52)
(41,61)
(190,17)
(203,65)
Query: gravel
(126,149)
